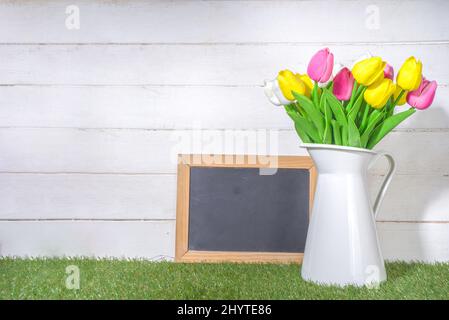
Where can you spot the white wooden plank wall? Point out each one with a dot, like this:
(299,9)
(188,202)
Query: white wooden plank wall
(91,118)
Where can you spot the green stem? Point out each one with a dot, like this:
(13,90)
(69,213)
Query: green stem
(353,94)
(315,97)
(398,98)
(364,122)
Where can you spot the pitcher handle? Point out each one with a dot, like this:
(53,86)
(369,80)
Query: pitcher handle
(386,181)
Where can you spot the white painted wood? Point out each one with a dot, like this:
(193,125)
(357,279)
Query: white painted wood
(125,197)
(103,98)
(417,152)
(154,151)
(164,108)
(121,239)
(155,240)
(427,242)
(227,64)
(413,198)
(87,196)
(225,21)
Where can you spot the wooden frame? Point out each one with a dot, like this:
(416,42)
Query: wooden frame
(185,162)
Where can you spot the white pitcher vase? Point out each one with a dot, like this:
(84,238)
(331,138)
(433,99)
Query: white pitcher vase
(342,246)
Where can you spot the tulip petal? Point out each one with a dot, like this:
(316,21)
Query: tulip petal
(329,66)
(389,72)
(422,97)
(320,66)
(343,84)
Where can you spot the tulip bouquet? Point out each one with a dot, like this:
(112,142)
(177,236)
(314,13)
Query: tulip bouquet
(334,105)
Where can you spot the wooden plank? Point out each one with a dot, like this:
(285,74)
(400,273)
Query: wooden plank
(226,21)
(87,196)
(416,152)
(245,161)
(139,107)
(123,197)
(182,211)
(153,151)
(413,198)
(241,257)
(164,108)
(427,242)
(124,239)
(155,240)
(212,65)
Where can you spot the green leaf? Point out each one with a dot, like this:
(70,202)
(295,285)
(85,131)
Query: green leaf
(364,121)
(356,107)
(353,134)
(388,107)
(336,131)
(312,112)
(299,109)
(302,134)
(322,102)
(303,124)
(389,124)
(344,136)
(337,108)
(353,95)
(327,136)
(315,97)
(374,119)
(309,129)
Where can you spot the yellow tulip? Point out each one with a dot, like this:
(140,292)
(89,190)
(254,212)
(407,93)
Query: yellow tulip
(410,75)
(378,94)
(403,99)
(308,82)
(369,71)
(288,82)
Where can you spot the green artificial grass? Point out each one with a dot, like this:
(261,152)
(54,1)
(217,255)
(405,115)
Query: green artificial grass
(118,279)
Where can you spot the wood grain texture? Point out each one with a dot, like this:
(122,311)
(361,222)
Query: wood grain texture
(182,211)
(87,196)
(155,151)
(138,107)
(414,241)
(413,198)
(134,196)
(121,239)
(226,21)
(212,65)
(241,257)
(245,161)
(110,93)
(159,107)
(155,240)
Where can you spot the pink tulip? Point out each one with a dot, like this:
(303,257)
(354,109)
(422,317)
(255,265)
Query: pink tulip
(389,72)
(320,66)
(422,97)
(343,84)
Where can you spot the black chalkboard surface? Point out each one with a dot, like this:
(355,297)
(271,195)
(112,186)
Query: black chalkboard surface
(237,209)
(234,212)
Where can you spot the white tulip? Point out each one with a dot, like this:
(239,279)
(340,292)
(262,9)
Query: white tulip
(268,89)
(274,93)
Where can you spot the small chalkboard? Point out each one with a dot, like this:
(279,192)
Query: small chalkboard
(238,210)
